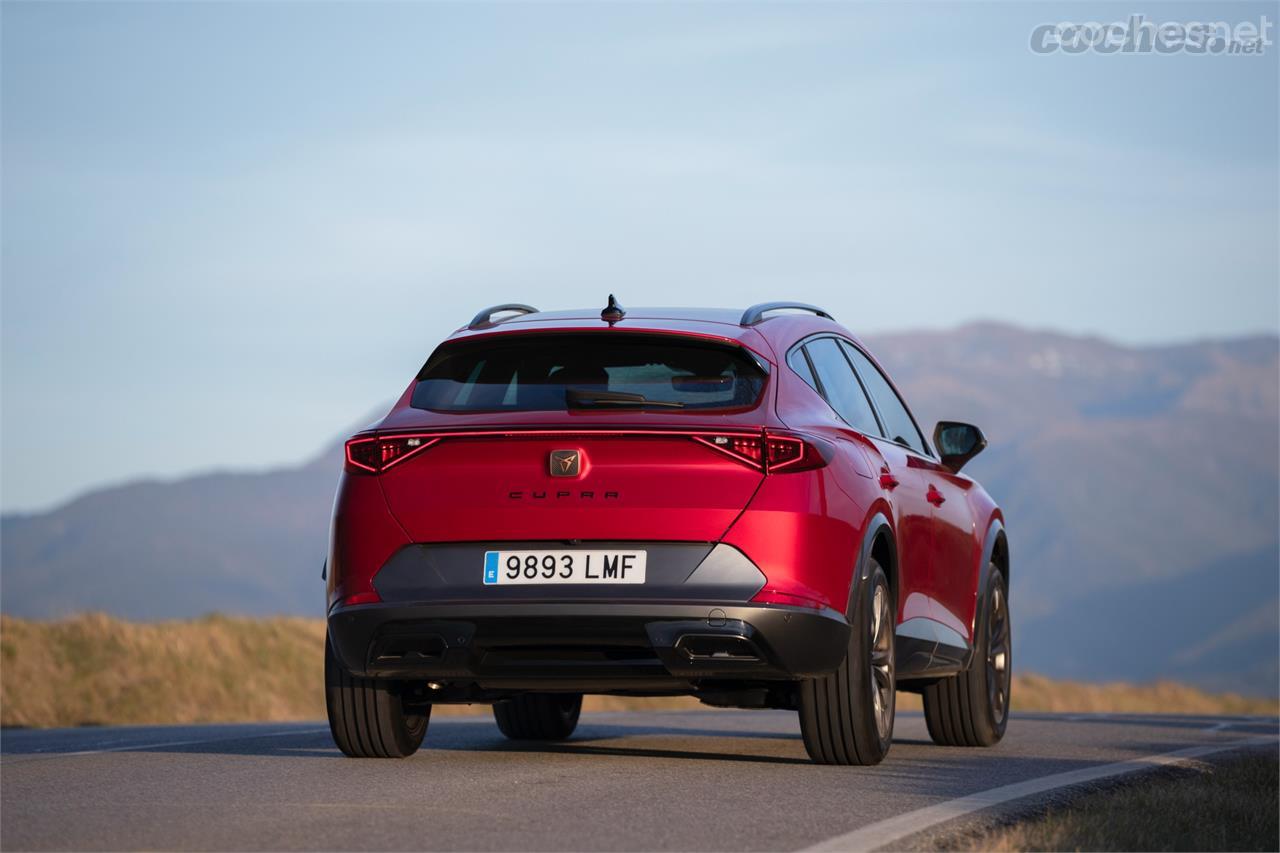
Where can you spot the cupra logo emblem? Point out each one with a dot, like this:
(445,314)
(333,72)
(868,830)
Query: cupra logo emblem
(565,463)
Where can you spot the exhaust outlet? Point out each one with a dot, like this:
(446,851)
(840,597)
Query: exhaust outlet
(409,649)
(713,647)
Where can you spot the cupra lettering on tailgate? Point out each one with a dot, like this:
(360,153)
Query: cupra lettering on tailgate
(563,494)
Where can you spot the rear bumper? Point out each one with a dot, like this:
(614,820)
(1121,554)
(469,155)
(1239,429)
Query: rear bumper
(588,647)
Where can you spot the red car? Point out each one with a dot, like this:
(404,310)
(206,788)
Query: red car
(736,506)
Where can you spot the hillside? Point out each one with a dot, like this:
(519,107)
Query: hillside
(1139,484)
(244,543)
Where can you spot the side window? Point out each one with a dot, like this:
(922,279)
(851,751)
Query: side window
(841,387)
(800,365)
(897,421)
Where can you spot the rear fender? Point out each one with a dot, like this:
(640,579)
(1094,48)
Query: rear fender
(362,536)
(877,524)
(802,530)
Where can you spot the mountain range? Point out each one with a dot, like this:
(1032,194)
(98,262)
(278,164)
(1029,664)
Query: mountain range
(1141,488)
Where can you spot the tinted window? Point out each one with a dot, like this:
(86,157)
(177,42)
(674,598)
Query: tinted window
(897,421)
(800,365)
(610,370)
(841,386)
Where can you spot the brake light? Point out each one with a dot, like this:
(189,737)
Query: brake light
(788,453)
(772,453)
(375,454)
(744,448)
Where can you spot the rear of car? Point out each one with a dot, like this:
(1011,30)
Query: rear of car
(551,507)
(561,504)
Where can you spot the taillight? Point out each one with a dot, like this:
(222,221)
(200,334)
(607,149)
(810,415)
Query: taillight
(744,448)
(789,453)
(772,453)
(375,454)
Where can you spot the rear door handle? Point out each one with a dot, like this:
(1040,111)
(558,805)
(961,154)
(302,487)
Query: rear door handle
(887,480)
(934,497)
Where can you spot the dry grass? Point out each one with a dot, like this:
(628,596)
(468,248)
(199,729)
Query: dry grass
(1227,805)
(1037,693)
(96,669)
(93,669)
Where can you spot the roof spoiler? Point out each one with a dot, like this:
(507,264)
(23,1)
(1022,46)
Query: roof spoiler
(756,313)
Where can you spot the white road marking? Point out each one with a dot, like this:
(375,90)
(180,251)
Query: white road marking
(894,829)
(143,746)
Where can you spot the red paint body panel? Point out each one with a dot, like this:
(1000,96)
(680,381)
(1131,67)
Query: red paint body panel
(800,530)
(632,486)
(362,537)
(955,544)
(644,478)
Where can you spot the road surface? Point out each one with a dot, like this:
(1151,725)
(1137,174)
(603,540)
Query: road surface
(682,780)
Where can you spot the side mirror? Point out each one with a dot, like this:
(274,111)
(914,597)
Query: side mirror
(957,443)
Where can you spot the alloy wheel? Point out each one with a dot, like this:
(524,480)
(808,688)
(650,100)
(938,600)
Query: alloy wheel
(882,674)
(999,672)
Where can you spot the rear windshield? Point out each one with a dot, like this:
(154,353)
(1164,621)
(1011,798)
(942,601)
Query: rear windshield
(594,371)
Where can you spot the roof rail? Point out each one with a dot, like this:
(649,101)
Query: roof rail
(755,314)
(485,318)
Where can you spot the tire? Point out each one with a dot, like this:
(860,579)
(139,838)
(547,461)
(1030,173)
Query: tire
(366,715)
(972,707)
(539,716)
(847,717)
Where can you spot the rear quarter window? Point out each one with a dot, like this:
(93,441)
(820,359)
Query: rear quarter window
(800,365)
(841,387)
(898,423)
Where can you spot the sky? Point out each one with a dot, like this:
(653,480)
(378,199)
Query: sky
(232,230)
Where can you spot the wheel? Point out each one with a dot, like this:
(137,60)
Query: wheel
(972,708)
(366,715)
(539,716)
(847,717)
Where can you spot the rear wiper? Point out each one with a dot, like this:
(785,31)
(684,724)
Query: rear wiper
(578,398)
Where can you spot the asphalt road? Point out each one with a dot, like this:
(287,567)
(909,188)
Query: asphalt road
(689,780)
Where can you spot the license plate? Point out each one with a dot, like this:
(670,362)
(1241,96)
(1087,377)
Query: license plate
(553,567)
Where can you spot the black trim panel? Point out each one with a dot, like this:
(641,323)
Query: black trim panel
(926,648)
(565,644)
